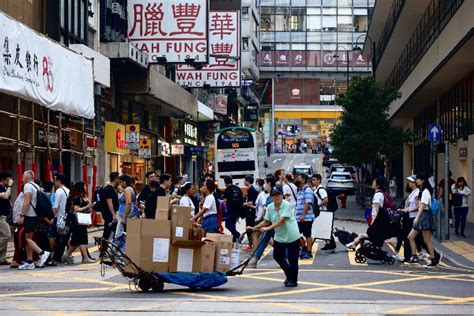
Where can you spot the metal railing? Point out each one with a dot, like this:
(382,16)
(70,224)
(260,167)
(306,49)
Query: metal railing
(390,23)
(431,25)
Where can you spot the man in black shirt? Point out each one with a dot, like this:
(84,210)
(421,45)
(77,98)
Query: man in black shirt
(146,191)
(234,201)
(150,204)
(250,204)
(110,196)
(6,182)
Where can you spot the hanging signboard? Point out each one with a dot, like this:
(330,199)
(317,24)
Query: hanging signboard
(190,132)
(132,136)
(177,149)
(39,70)
(251,113)
(144,152)
(174,29)
(220,104)
(223,69)
(165,149)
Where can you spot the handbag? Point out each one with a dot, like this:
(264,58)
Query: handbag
(456,199)
(84,219)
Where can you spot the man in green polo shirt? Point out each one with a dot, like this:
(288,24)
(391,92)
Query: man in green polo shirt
(281,218)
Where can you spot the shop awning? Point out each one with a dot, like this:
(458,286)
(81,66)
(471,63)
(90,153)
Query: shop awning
(40,70)
(205,113)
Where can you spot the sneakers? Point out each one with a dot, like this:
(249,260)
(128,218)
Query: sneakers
(306,255)
(434,262)
(351,245)
(397,256)
(68,259)
(43,258)
(413,260)
(87,261)
(291,284)
(253,263)
(423,256)
(27,266)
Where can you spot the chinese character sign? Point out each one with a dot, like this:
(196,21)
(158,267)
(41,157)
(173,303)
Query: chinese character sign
(39,70)
(223,69)
(132,136)
(174,29)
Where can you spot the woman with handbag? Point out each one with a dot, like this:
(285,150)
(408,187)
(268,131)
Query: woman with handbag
(460,202)
(127,209)
(82,208)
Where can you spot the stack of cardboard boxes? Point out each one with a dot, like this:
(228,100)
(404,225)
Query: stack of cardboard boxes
(164,245)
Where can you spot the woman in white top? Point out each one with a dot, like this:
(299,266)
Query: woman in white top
(378,199)
(423,223)
(460,212)
(260,203)
(188,191)
(209,209)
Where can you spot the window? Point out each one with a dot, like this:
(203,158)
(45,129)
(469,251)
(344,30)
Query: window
(314,23)
(329,11)
(314,46)
(245,43)
(344,3)
(266,22)
(360,23)
(282,46)
(279,3)
(298,3)
(267,2)
(344,23)
(360,3)
(298,46)
(313,11)
(346,11)
(298,19)
(313,3)
(245,13)
(329,23)
(282,36)
(329,3)
(314,37)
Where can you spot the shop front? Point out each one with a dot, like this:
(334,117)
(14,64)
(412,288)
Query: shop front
(114,146)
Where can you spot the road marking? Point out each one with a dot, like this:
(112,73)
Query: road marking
(91,250)
(291,162)
(314,252)
(351,255)
(404,293)
(277,160)
(97,289)
(306,309)
(405,310)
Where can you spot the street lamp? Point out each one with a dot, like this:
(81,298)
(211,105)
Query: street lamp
(357,48)
(336,56)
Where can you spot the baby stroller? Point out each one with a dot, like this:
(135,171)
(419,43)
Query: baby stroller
(387,224)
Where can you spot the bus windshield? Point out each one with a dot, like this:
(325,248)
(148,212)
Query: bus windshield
(235,139)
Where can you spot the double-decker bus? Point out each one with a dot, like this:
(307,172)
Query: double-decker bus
(235,154)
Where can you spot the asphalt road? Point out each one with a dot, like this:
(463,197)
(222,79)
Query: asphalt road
(330,283)
(288,161)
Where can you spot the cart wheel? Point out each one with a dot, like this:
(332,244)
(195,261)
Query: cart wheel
(144,285)
(157,286)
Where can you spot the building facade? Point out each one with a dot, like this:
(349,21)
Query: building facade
(308,54)
(424,49)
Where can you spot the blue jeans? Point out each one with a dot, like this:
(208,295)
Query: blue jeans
(210,224)
(230,223)
(460,214)
(264,240)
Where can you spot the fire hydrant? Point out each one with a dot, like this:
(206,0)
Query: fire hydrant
(343,199)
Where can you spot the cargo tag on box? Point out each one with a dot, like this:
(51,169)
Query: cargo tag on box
(161,249)
(185,260)
(179,231)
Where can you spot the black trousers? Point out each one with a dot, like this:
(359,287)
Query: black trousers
(61,243)
(109,228)
(288,265)
(407,227)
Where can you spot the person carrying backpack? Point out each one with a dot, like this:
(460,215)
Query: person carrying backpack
(322,202)
(234,200)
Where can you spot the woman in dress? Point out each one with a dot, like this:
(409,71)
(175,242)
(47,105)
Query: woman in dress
(127,209)
(79,238)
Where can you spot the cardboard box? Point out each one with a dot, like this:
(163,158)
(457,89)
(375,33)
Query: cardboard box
(148,243)
(162,215)
(235,257)
(163,203)
(180,223)
(223,251)
(185,256)
(208,256)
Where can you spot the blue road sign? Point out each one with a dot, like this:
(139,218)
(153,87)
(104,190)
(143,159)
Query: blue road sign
(434,133)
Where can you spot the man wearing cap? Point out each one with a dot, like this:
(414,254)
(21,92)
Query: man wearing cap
(281,219)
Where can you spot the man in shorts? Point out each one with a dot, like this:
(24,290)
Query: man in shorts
(31,222)
(305,215)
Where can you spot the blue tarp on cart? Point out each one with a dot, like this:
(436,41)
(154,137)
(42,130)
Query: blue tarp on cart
(198,280)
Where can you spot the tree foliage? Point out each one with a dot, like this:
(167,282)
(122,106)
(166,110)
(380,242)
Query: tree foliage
(365,132)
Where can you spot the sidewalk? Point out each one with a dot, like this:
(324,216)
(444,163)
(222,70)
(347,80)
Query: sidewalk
(458,250)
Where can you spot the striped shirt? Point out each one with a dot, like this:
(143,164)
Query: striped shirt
(305,195)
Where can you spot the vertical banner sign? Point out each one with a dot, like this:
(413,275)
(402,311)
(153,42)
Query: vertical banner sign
(173,29)
(144,152)
(220,104)
(132,136)
(223,69)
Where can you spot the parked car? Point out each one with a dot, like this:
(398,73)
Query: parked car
(297,169)
(342,168)
(341,182)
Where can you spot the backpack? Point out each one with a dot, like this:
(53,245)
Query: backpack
(435,206)
(236,201)
(388,201)
(97,200)
(43,208)
(332,205)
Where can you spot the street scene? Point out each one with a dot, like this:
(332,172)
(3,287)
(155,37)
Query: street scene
(268,157)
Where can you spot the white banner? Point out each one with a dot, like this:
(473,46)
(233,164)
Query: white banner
(174,29)
(39,70)
(223,69)
(236,155)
